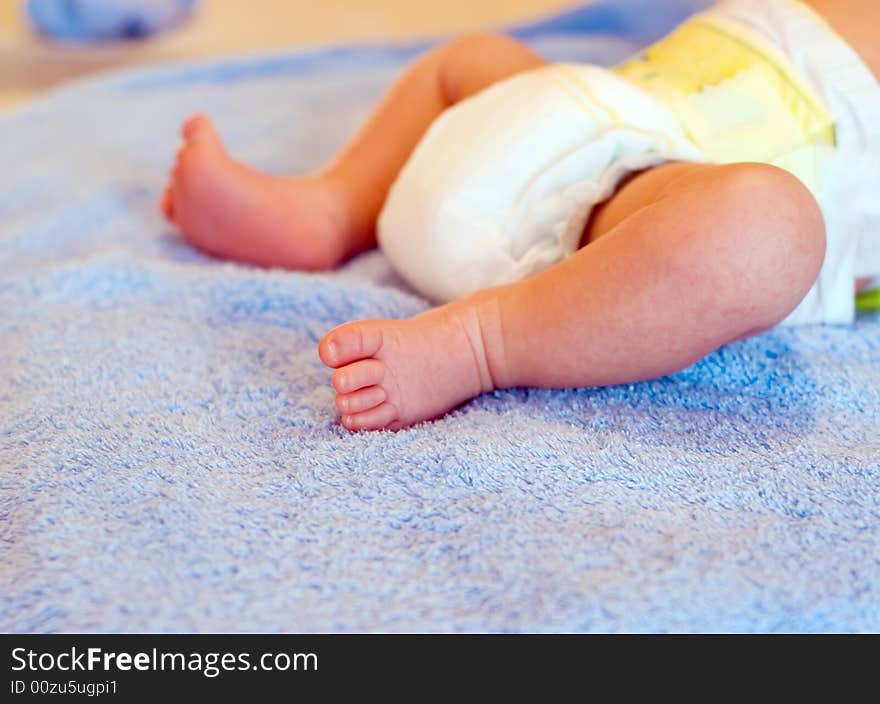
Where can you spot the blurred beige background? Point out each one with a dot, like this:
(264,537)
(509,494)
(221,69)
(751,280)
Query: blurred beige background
(30,64)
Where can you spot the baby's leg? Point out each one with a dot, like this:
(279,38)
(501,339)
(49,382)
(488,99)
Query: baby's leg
(230,210)
(684,259)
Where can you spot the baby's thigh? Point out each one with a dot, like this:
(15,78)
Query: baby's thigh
(639,190)
(741,200)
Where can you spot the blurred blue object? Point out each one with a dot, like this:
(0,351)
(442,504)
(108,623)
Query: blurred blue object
(637,19)
(96,20)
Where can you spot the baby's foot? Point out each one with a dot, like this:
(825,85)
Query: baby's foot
(393,373)
(232,211)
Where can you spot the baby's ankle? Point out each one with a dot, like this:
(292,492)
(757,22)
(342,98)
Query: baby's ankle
(357,205)
(480,316)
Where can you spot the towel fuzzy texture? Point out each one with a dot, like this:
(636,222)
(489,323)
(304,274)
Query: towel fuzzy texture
(170,458)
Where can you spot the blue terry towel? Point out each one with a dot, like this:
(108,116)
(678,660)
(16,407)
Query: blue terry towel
(87,20)
(170,458)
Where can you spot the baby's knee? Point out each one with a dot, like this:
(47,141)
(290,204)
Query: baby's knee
(476,43)
(773,195)
(469,57)
(782,221)
(768,238)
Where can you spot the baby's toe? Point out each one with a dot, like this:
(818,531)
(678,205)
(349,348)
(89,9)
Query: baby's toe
(193,124)
(350,342)
(199,131)
(382,416)
(361,400)
(366,372)
(166,204)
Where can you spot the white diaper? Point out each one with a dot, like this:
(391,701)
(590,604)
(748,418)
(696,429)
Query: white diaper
(502,185)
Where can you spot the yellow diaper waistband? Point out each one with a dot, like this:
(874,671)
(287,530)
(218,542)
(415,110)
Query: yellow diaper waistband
(737,95)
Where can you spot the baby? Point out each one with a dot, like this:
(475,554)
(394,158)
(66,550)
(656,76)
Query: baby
(581,226)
